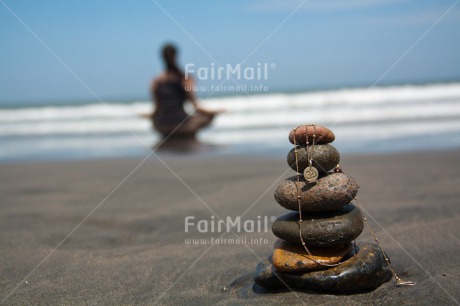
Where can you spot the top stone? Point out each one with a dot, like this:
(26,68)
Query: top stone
(323,134)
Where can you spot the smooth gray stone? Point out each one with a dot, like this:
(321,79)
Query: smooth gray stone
(321,229)
(366,271)
(329,193)
(325,158)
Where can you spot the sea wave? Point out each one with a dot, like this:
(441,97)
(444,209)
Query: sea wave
(405,112)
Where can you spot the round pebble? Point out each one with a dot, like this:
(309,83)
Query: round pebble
(323,134)
(321,229)
(329,193)
(325,158)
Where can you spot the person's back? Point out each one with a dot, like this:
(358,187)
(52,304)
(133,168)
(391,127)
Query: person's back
(169,95)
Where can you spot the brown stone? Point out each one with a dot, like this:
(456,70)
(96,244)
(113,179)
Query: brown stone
(289,257)
(329,193)
(323,134)
(363,272)
(325,158)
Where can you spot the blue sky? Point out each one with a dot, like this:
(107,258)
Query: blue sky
(113,46)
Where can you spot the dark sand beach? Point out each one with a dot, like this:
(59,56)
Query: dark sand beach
(132,249)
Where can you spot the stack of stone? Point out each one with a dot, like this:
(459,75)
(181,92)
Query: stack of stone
(330,225)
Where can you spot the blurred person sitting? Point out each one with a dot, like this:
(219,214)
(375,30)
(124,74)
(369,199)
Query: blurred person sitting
(170,90)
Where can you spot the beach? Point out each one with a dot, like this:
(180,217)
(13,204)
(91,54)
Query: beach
(147,153)
(87,232)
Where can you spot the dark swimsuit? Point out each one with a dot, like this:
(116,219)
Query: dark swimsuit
(171,96)
(170,116)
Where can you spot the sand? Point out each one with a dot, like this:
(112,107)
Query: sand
(132,249)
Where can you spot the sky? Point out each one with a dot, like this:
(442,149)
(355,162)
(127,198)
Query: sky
(60,51)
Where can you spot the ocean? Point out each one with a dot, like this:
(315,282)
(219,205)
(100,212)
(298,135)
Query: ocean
(364,120)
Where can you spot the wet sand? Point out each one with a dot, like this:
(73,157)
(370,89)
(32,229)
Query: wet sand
(132,249)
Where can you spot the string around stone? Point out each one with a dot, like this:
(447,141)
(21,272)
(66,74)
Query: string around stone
(310,152)
(310,162)
(399,281)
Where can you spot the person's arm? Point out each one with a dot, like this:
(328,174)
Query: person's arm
(153,97)
(154,92)
(190,90)
(189,84)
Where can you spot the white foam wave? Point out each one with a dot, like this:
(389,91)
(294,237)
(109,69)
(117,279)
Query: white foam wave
(399,112)
(342,97)
(84,112)
(337,115)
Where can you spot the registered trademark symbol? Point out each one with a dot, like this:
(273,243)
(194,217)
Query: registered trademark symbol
(273,66)
(273,218)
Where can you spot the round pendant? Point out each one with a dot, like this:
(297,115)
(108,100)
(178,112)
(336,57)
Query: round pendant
(310,174)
